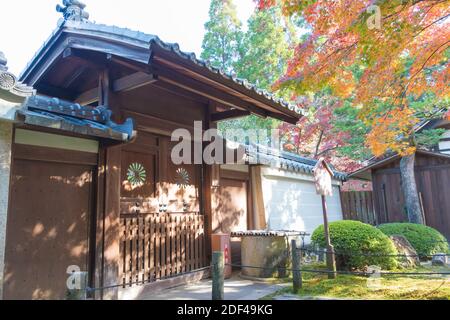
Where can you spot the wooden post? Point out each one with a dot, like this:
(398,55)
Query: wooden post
(296,265)
(331,261)
(218,291)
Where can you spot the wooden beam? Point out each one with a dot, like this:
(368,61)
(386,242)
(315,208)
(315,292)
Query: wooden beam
(231,114)
(111,223)
(98,225)
(207,91)
(259,222)
(138,67)
(93,60)
(154,124)
(52,91)
(217,95)
(73,77)
(237,91)
(127,83)
(88,97)
(133,81)
(181,92)
(103,88)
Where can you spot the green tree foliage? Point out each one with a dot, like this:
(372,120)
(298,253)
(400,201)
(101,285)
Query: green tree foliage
(259,55)
(223,37)
(266,47)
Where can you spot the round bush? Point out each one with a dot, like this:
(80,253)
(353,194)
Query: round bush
(358,245)
(427,241)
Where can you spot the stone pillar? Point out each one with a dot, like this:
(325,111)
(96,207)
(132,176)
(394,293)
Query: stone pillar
(5,165)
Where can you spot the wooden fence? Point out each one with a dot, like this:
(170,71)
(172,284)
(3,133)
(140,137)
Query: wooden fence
(159,246)
(359,206)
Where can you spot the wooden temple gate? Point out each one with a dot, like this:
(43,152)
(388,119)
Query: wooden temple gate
(149,218)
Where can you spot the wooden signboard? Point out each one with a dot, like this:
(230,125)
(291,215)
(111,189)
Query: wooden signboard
(323,176)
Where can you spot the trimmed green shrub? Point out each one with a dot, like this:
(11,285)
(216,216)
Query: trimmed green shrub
(427,241)
(358,245)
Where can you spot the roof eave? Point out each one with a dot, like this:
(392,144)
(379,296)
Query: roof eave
(147,45)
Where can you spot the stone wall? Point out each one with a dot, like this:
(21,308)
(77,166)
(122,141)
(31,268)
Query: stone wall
(5,164)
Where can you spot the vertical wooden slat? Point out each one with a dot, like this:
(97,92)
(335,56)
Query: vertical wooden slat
(178,243)
(183,243)
(151,260)
(168,244)
(140,251)
(163,246)
(173,237)
(122,252)
(350,208)
(372,209)
(366,207)
(157,247)
(197,257)
(200,245)
(345,205)
(188,243)
(147,234)
(191,243)
(202,242)
(128,252)
(134,250)
(194,243)
(355,205)
(362,213)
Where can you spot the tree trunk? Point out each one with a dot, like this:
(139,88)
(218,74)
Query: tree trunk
(409,189)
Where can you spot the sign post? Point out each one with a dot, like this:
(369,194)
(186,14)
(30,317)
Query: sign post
(323,178)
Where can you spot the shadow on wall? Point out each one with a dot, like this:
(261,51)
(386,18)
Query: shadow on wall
(231,212)
(295,205)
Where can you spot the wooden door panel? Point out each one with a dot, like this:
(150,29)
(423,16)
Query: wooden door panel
(180,184)
(139,178)
(47,228)
(231,206)
(182,189)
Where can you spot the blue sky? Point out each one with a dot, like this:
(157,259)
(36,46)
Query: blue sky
(27,24)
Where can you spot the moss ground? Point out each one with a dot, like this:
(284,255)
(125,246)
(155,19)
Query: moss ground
(395,287)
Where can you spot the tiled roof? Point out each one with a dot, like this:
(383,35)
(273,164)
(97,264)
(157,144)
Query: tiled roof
(62,115)
(388,157)
(11,89)
(145,40)
(266,233)
(285,160)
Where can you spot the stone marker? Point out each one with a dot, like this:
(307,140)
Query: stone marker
(410,257)
(439,259)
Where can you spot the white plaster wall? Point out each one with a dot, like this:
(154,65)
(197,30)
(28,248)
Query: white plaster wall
(291,201)
(8,110)
(443,145)
(5,165)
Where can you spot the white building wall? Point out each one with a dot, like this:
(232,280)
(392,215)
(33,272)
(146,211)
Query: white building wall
(291,201)
(445,145)
(5,165)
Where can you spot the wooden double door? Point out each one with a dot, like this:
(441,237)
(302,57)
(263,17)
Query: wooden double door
(162,226)
(152,183)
